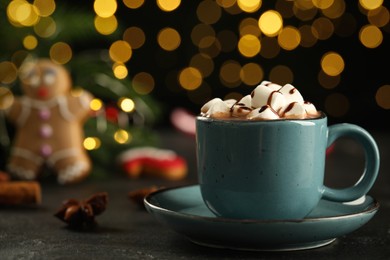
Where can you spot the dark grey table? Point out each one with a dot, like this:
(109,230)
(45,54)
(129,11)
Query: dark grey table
(127,231)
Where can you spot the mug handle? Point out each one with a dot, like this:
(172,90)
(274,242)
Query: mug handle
(366,181)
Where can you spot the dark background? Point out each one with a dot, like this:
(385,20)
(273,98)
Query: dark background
(365,69)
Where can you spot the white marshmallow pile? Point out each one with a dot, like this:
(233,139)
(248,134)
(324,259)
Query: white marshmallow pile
(266,102)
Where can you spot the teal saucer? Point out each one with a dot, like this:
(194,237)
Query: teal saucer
(183,210)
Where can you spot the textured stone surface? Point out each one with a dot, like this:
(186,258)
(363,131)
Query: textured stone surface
(126,231)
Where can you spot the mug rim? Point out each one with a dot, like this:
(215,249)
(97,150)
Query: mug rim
(200,117)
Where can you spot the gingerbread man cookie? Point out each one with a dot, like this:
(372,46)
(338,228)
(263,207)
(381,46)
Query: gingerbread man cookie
(49,124)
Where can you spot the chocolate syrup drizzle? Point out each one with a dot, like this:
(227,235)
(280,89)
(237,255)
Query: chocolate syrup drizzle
(289,107)
(242,107)
(292,91)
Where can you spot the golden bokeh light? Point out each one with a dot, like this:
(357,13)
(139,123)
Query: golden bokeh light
(168,5)
(322,28)
(30,42)
(120,51)
(143,83)
(33,17)
(370,4)
(249,6)
(61,52)
(207,42)
(270,23)
(251,74)
(27,14)
(249,26)
(210,46)
(126,104)
(8,72)
(289,38)
(337,105)
(226,3)
(303,4)
(203,63)
(208,12)
(120,70)
(133,4)
(45,7)
(370,36)
(168,39)
(46,27)
(105,8)
(233,10)
(304,10)
(17,10)
(92,143)
(336,10)
(12,9)
(307,37)
(121,136)
(323,4)
(332,63)
(229,74)
(379,16)
(382,97)
(190,78)
(201,31)
(281,74)
(96,104)
(105,25)
(249,45)
(6,98)
(135,36)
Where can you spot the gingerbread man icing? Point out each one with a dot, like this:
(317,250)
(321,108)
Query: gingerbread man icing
(49,124)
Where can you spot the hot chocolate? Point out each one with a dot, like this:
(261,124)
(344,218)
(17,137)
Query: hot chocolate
(268,101)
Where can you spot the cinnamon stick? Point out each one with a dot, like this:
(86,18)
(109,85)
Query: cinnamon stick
(20,193)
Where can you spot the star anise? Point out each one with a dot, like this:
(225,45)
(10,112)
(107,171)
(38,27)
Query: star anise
(137,196)
(81,214)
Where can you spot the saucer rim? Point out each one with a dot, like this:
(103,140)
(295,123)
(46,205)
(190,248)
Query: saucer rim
(371,208)
(282,248)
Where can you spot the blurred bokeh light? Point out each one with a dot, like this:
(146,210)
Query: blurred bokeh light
(186,52)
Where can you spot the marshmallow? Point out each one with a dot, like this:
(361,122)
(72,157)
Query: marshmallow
(291,94)
(242,107)
(263,113)
(207,106)
(230,102)
(269,84)
(240,110)
(246,101)
(218,109)
(266,102)
(294,110)
(263,95)
(310,108)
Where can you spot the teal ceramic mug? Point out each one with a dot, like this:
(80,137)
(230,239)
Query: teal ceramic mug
(274,169)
